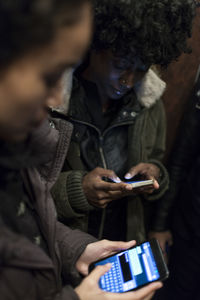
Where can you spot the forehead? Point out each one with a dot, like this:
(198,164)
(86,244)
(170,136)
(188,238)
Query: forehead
(130,62)
(69,44)
(64,50)
(123,59)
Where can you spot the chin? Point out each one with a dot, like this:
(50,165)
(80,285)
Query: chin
(116,97)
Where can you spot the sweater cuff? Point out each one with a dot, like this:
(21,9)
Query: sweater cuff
(75,192)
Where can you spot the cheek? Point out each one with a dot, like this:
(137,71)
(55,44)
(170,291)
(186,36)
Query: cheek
(29,88)
(114,76)
(25,95)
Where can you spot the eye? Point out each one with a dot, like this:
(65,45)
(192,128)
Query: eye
(52,79)
(143,68)
(120,65)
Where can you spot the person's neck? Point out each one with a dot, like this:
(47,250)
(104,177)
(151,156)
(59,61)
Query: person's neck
(89,75)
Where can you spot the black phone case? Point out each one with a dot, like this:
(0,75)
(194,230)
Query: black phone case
(158,256)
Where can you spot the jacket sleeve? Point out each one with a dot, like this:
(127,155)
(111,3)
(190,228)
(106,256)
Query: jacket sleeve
(69,197)
(26,276)
(72,244)
(158,152)
(186,148)
(9,290)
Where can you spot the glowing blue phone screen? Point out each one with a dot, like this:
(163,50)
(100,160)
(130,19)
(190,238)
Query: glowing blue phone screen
(130,269)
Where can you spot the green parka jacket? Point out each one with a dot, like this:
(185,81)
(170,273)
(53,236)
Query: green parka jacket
(144,119)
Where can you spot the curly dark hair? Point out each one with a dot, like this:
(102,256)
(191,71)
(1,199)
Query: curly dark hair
(154,30)
(28,24)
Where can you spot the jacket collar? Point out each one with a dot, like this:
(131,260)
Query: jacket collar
(148,92)
(29,153)
(45,149)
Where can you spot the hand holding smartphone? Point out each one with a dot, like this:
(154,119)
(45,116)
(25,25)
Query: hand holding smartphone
(133,268)
(141,183)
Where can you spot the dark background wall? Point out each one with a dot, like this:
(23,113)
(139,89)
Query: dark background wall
(180,77)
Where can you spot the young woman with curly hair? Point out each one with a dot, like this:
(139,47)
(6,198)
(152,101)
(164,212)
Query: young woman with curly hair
(119,119)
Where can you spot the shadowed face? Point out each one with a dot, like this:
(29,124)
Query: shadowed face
(116,76)
(28,83)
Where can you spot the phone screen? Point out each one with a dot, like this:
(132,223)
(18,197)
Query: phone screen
(130,269)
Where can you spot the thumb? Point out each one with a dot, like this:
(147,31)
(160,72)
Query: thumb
(133,171)
(117,246)
(100,271)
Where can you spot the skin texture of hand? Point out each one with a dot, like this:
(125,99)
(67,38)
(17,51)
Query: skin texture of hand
(163,238)
(99,192)
(146,171)
(98,250)
(90,290)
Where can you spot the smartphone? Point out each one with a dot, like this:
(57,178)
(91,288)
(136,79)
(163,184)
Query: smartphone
(141,183)
(133,268)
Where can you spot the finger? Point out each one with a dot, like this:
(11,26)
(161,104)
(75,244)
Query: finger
(104,203)
(100,271)
(114,195)
(108,173)
(149,191)
(162,246)
(117,246)
(143,190)
(149,297)
(101,196)
(105,186)
(110,195)
(156,184)
(143,293)
(134,171)
(101,204)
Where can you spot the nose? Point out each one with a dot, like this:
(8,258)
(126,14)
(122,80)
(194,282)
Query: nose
(55,98)
(128,79)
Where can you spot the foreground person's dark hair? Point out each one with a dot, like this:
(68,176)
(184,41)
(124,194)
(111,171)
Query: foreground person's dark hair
(155,30)
(27,24)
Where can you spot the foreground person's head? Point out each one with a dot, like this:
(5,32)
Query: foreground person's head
(131,35)
(39,40)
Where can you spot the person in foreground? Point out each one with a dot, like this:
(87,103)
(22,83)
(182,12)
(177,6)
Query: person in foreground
(39,257)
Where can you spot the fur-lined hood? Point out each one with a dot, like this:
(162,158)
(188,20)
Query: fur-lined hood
(150,90)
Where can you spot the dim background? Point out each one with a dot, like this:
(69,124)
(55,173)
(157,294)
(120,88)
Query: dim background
(180,78)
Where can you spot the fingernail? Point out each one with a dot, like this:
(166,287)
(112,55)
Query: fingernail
(117,179)
(109,265)
(128,176)
(160,284)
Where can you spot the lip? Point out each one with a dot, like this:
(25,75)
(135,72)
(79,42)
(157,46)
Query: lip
(118,92)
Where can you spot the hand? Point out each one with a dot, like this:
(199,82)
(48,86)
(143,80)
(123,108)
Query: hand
(147,171)
(98,250)
(99,192)
(163,238)
(89,288)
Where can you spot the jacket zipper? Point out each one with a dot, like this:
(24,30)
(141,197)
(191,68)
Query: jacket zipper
(101,137)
